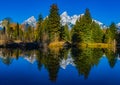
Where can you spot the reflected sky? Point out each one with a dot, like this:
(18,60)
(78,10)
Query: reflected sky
(38,68)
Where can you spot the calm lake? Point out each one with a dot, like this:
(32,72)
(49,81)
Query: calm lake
(84,66)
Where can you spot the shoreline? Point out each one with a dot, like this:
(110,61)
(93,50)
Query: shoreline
(36,45)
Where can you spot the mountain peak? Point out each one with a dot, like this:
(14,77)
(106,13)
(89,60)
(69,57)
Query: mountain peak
(1,24)
(69,20)
(64,13)
(30,21)
(65,19)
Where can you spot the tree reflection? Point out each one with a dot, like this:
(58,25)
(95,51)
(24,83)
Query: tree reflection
(6,56)
(111,56)
(85,59)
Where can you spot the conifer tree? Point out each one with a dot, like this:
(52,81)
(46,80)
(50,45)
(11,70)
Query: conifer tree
(82,30)
(111,33)
(39,28)
(97,33)
(16,32)
(113,30)
(54,23)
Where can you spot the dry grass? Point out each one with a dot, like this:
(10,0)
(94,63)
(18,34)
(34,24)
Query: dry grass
(97,45)
(17,41)
(56,44)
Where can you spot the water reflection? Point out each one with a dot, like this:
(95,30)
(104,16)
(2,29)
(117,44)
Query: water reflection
(54,59)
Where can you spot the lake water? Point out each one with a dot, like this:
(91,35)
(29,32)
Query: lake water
(86,66)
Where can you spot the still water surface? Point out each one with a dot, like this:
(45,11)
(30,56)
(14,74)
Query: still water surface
(86,66)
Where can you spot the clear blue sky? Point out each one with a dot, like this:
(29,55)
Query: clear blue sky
(105,11)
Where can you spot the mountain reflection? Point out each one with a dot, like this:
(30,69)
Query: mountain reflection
(54,59)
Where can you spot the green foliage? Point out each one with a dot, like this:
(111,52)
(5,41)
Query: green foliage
(28,34)
(113,30)
(112,57)
(81,31)
(16,33)
(49,30)
(111,33)
(42,31)
(39,28)
(97,33)
(86,30)
(53,23)
(64,33)
(85,59)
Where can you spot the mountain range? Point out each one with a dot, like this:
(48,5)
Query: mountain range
(65,19)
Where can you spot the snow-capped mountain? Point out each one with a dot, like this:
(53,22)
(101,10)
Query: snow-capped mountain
(65,19)
(30,59)
(100,23)
(1,24)
(30,21)
(71,20)
(118,26)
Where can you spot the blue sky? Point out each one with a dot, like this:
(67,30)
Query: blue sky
(105,11)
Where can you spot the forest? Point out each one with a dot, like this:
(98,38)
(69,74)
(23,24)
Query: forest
(50,32)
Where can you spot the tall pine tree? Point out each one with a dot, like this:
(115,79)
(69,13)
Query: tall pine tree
(54,23)
(82,32)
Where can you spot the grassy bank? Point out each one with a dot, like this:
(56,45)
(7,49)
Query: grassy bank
(56,44)
(97,45)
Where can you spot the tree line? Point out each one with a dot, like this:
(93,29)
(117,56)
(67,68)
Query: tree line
(48,30)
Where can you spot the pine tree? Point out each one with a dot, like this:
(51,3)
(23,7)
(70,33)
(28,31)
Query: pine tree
(54,23)
(87,20)
(16,32)
(113,30)
(67,33)
(44,31)
(82,30)
(39,28)
(97,33)
(76,33)
(111,33)
(62,33)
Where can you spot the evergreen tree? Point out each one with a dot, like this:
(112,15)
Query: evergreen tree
(44,31)
(76,33)
(54,23)
(39,28)
(97,33)
(82,30)
(113,30)
(67,33)
(16,32)
(64,33)
(111,33)
(17,29)
(87,21)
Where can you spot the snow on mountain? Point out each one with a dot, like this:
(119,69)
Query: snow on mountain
(100,23)
(118,26)
(30,21)
(1,24)
(71,20)
(30,59)
(65,19)
(65,62)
